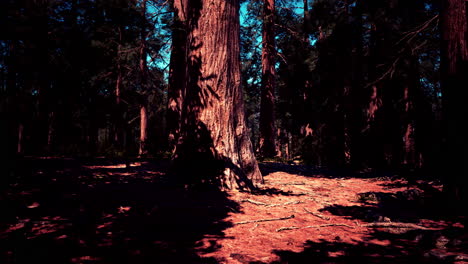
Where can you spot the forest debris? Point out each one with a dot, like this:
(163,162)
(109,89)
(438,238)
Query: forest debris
(396,225)
(317,215)
(253,228)
(253,202)
(313,226)
(288,203)
(270,205)
(293,183)
(264,220)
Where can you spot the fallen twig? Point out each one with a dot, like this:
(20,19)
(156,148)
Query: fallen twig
(270,205)
(314,226)
(293,183)
(317,215)
(396,225)
(253,202)
(288,203)
(264,220)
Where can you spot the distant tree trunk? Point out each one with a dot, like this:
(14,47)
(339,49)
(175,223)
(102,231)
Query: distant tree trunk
(20,138)
(214,145)
(454,68)
(356,114)
(143,126)
(143,83)
(267,105)
(118,119)
(305,26)
(177,72)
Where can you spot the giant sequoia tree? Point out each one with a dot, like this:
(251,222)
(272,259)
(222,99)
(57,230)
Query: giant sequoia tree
(454,66)
(214,144)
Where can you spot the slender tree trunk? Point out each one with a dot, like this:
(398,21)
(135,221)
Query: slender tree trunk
(178,71)
(117,130)
(143,125)
(305,26)
(356,115)
(143,83)
(454,68)
(267,105)
(214,145)
(20,138)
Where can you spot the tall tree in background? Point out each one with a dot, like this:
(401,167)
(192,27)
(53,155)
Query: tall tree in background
(143,67)
(454,83)
(177,71)
(267,107)
(214,141)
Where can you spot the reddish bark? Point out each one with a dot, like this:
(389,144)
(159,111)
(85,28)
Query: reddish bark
(267,107)
(214,144)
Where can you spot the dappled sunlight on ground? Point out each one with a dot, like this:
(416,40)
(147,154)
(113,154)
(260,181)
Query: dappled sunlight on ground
(69,211)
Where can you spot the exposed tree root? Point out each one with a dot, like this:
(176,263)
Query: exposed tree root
(264,220)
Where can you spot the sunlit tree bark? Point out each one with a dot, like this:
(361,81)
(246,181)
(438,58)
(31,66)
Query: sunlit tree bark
(214,144)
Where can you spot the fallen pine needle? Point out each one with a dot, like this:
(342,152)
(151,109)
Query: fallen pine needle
(264,220)
(317,215)
(314,226)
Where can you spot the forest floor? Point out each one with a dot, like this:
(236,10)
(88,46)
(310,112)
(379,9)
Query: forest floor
(60,210)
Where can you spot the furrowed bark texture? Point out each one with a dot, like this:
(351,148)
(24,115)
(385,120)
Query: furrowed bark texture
(267,106)
(214,145)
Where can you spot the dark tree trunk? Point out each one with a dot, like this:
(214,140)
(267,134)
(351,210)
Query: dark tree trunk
(118,128)
(454,61)
(214,145)
(267,106)
(178,71)
(143,84)
(356,117)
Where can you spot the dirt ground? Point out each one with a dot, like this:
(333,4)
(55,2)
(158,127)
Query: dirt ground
(69,211)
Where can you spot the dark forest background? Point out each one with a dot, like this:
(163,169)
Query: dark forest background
(357,83)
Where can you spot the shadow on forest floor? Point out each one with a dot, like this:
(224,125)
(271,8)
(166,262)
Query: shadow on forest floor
(66,211)
(99,211)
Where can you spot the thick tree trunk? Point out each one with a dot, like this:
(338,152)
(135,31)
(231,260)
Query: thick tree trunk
(454,67)
(267,106)
(178,71)
(214,145)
